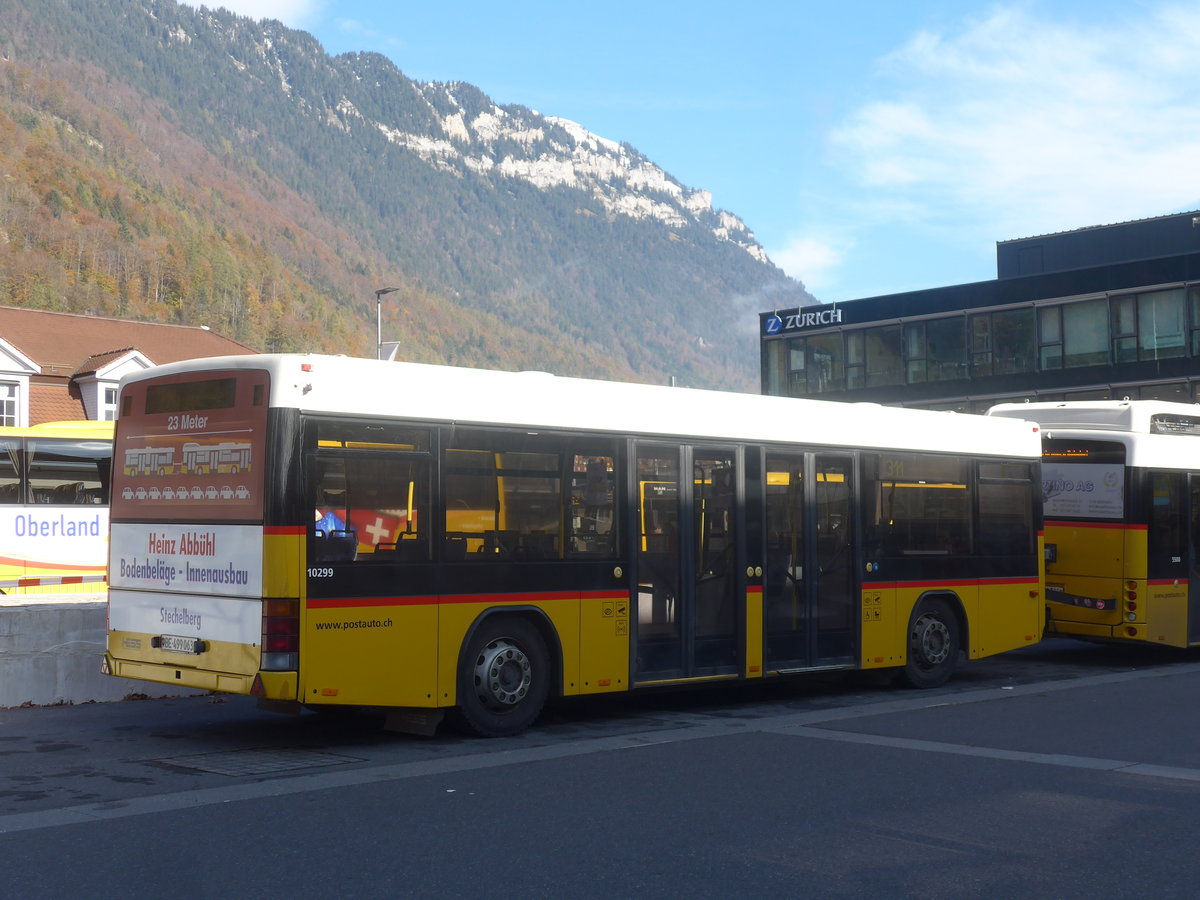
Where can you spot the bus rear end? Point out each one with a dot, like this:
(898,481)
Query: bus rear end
(203,592)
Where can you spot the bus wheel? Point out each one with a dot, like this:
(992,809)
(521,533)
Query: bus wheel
(933,645)
(503,679)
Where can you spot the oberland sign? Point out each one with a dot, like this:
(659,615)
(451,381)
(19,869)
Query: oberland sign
(801,320)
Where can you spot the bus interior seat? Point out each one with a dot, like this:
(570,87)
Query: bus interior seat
(71,492)
(502,542)
(404,550)
(336,546)
(538,546)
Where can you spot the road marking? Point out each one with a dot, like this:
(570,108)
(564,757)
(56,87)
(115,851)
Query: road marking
(697,727)
(1125,767)
(299,784)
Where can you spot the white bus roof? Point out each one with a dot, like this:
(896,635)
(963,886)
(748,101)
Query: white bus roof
(1156,434)
(341,385)
(1098,415)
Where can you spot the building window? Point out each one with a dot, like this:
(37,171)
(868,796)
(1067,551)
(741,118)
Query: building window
(856,360)
(885,362)
(1013,341)
(1194,298)
(824,364)
(1050,349)
(108,409)
(914,352)
(775,368)
(946,346)
(8,404)
(981,345)
(1149,326)
(1002,343)
(797,382)
(815,365)
(1124,329)
(935,350)
(1085,333)
(1162,325)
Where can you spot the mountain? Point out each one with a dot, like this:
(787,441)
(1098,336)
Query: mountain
(166,163)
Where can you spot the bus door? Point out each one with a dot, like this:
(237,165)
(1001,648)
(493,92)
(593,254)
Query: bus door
(809,584)
(686,582)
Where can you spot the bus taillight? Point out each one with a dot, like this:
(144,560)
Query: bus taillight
(280,635)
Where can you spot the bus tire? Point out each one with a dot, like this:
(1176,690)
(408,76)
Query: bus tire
(503,678)
(934,641)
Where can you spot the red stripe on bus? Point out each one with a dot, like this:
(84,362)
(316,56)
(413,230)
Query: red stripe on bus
(957,582)
(1170,582)
(1063,523)
(51,580)
(284,529)
(431,599)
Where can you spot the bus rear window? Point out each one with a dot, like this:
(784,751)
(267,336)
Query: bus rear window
(198,451)
(190,396)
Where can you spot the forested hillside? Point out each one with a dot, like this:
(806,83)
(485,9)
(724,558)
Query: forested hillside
(163,163)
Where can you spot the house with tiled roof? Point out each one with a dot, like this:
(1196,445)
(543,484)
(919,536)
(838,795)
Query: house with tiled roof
(57,366)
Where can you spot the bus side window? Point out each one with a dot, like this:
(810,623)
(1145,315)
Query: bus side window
(10,473)
(503,504)
(369,507)
(593,506)
(921,505)
(1005,526)
(68,472)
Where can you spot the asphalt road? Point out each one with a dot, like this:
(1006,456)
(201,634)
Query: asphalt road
(1068,770)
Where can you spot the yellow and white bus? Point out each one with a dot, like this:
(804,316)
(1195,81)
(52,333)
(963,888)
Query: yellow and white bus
(54,489)
(424,538)
(1121,488)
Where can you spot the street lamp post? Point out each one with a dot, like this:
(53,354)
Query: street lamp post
(379,319)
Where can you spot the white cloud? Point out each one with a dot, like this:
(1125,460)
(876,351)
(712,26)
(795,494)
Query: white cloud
(1021,124)
(353,28)
(810,259)
(293,13)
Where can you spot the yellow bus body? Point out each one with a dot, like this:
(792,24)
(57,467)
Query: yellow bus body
(386,613)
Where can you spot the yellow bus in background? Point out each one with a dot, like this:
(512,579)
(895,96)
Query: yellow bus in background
(434,540)
(1121,488)
(54,497)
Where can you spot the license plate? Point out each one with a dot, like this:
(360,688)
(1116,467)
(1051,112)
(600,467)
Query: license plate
(177,644)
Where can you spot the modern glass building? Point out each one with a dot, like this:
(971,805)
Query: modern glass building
(1096,313)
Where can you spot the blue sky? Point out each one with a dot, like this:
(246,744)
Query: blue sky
(872,147)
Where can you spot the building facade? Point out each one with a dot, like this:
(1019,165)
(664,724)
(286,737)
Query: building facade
(59,366)
(1097,313)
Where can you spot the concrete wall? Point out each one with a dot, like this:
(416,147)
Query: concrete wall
(50,652)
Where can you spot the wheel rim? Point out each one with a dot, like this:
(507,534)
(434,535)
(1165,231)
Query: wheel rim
(930,640)
(502,675)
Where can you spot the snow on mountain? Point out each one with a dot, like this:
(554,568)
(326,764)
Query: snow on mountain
(462,130)
(559,152)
